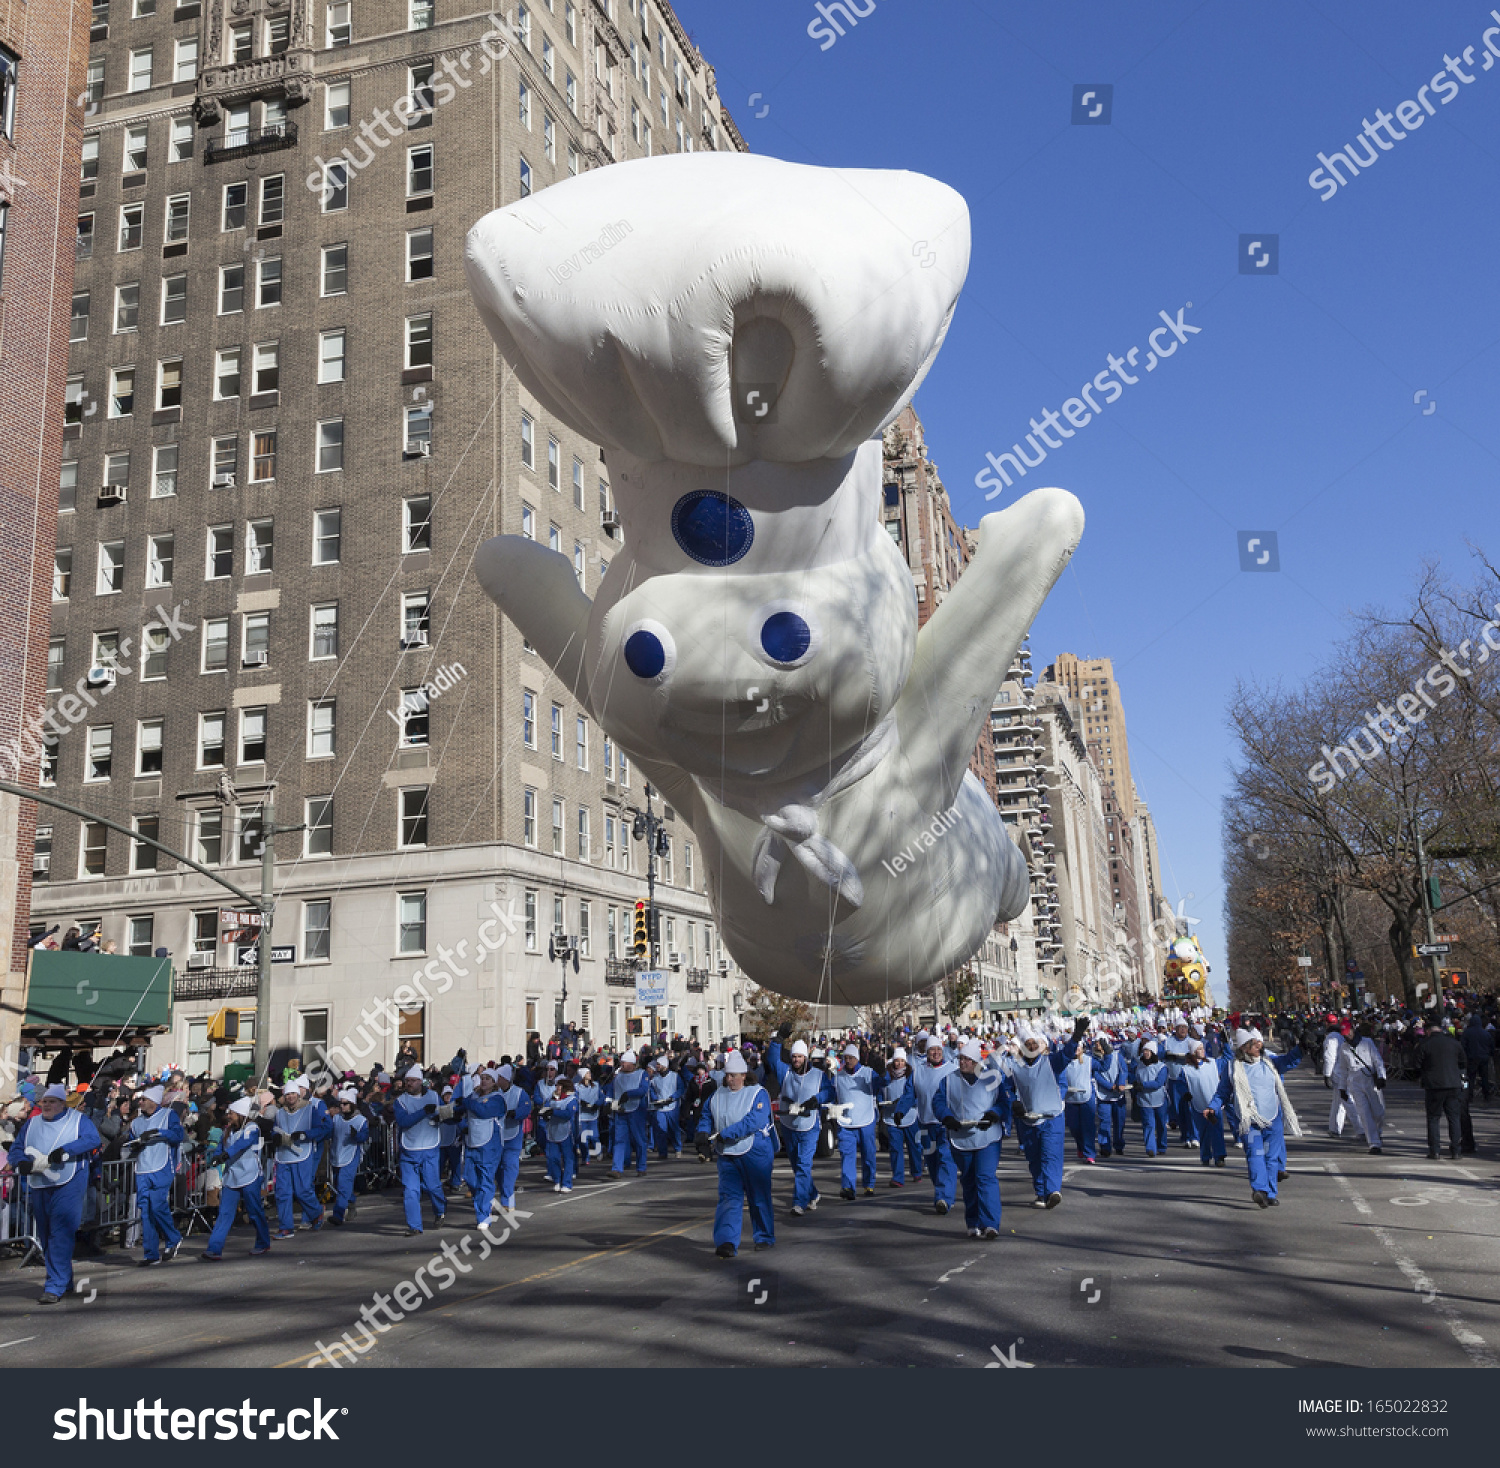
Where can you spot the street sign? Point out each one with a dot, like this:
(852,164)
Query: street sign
(651,987)
(1447,938)
(1304,963)
(1426,950)
(247,955)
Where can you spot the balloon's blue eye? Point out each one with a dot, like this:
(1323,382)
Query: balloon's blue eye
(785,637)
(712,528)
(644,654)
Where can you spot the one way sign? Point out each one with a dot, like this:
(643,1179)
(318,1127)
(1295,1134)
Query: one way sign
(1426,950)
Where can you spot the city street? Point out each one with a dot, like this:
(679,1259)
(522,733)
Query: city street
(1369,1261)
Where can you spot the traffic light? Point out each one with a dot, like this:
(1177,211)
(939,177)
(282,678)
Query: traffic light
(641,942)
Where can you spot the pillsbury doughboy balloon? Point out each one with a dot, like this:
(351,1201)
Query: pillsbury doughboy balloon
(736,331)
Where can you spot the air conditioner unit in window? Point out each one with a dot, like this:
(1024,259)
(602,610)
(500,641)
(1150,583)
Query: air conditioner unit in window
(723,965)
(224,481)
(674,960)
(200,960)
(253,660)
(418,448)
(413,640)
(112,494)
(609,522)
(41,863)
(101,677)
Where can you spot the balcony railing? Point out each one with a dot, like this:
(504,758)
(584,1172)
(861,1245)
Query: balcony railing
(620,972)
(697,981)
(214,983)
(243,142)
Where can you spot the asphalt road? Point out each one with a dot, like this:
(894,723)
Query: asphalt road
(1369,1261)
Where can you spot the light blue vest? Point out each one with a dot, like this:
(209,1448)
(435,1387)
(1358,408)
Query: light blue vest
(295,1121)
(968,1101)
(1151,1074)
(628,1090)
(1262,1077)
(858,1092)
(512,1101)
(1036,1086)
(349,1135)
(426,1134)
(243,1171)
(48,1136)
(1171,1047)
(589,1097)
(727,1107)
(158,1155)
(1202,1083)
(801,1090)
(545,1091)
(559,1126)
(892,1090)
(926,1079)
(1109,1075)
(480,1118)
(666,1088)
(1079,1080)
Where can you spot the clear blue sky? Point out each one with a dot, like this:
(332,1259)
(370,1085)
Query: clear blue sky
(1291,411)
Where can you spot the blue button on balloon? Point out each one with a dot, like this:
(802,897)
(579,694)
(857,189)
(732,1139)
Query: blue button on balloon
(785,637)
(711,527)
(644,654)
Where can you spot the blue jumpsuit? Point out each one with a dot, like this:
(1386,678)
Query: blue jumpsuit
(898,1108)
(56,1191)
(1079,1106)
(1207,1082)
(420,1135)
(666,1113)
(586,1132)
(1150,1081)
(1041,1140)
(541,1096)
(926,1078)
(1110,1074)
(450,1152)
(155,1167)
(799,1134)
(240,1154)
(976,1150)
(557,1129)
(1265,1147)
(856,1089)
(350,1133)
(484,1122)
(628,1091)
(297,1164)
(517,1109)
(746,1143)
(1179,1108)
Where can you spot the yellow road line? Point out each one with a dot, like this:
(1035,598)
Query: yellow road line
(556,1269)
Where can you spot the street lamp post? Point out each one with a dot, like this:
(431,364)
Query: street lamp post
(647,826)
(560,948)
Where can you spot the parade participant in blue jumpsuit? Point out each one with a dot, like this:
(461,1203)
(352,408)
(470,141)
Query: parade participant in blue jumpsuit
(351,1131)
(666,1108)
(626,1094)
(1148,1078)
(419,1118)
(968,1105)
(557,1118)
(154,1137)
(51,1152)
(240,1155)
(802,1089)
(1178,1044)
(1112,1090)
(1207,1083)
(926,1078)
(450,1145)
(854,1089)
(301,1128)
(1080,1109)
(483,1109)
(541,1095)
(898,1110)
(1039,1111)
(1265,1112)
(517,1109)
(586,1143)
(737,1127)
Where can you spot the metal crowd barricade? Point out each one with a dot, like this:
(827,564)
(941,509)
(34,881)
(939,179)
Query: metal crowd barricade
(378,1167)
(190,1192)
(117,1206)
(17,1224)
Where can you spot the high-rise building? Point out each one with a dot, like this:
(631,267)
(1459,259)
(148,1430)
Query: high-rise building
(287,433)
(43,55)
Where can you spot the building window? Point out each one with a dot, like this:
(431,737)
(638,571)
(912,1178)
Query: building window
(67,486)
(140,70)
(100,759)
(335,270)
(330,356)
(88,169)
(185,60)
(312,1023)
(585,844)
(577,484)
(127,307)
(687,865)
(338,27)
(231,289)
(525,179)
(330,445)
(208,837)
(529,907)
(216,645)
(335,105)
(420,15)
(159,560)
(417,441)
(419,94)
(277,35)
(225,461)
(169,384)
(549,138)
(554,464)
(559,916)
(579,562)
(581,741)
(268,282)
(252,736)
(73,396)
(211,741)
(94,84)
(263,458)
(414,718)
(418,171)
(241,42)
(570,93)
(557,752)
(528,442)
(317,919)
(93,847)
(528,719)
(411,921)
(416,523)
(327,536)
(255,639)
(413,829)
(233,208)
(148,747)
(325,631)
(41,859)
(78,329)
(419,263)
(180,149)
(611,932)
(528,818)
(419,341)
(83,245)
(335,188)
(528,522)
(205,937)
(116,475)
(573,167)
(318,818)
(227,374)
(154,644)
(320,714)
(251,840)
(173,300)
(260,540)
(584,926)
(178,212)
(266,368)
(416,619)
(56,650)
(111,574)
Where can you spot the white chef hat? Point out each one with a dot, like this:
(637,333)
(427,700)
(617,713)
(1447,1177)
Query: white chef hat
(297,1083)
(1148,1047)
(815,1055)
(155,1093)
(898,1053)
(60,1093)
(921,1036)
(506,1072)
(243,1106)
(551,1065)
(414,1074)
(970,1050)
(384,1078)
(1244,1037)
(1032,1043)
(584,1073)
(934,1043)
(852,1050)
(447,1090)
(349,1094)
(628,1056)
(734,1064)
(799,1047)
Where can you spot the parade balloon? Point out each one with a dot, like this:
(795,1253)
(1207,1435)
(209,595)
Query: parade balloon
(735,332)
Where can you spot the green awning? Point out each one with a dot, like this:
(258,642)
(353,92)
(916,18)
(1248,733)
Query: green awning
(96,992)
